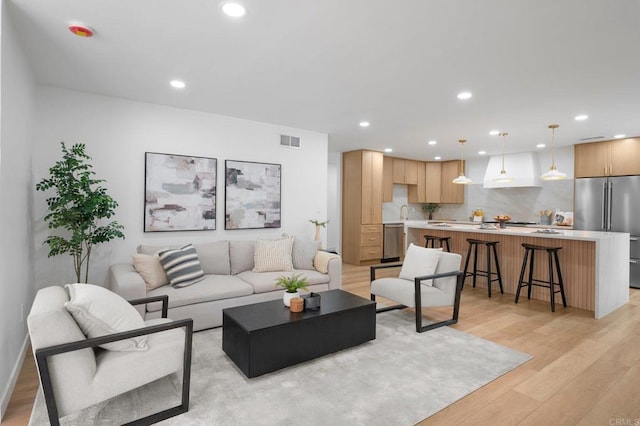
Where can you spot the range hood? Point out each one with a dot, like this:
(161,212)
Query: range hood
(523,167)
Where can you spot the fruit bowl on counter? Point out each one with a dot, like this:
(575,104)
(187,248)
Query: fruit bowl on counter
(502,220)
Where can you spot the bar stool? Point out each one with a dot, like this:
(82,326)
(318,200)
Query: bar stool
(490,247)
(552,254)
(430,240)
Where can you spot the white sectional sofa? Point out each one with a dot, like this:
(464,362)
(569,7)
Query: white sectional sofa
(229,281)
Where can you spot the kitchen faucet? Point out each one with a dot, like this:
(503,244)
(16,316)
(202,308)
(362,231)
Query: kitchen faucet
(404,206)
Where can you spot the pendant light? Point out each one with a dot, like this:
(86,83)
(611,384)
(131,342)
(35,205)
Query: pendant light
(503,177)
(462,179)
(553,173)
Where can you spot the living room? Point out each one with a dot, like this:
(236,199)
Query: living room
(118,130)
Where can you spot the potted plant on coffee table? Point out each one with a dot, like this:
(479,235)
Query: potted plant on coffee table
(292,284)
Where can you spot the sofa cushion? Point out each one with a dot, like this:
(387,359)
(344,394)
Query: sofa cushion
(150,269)
(99,312)
(214,257)
(241,255)
(303,253)
(212,287)
(273,255)
(263,282)
(182,266)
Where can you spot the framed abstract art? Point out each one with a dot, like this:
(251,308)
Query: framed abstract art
(179,193)
(252,195)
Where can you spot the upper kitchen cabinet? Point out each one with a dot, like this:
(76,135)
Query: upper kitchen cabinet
(452,193)
(417,193)
(387,180)
(433,184)
(405,171)
(362,206)
(620,157)
(429,188)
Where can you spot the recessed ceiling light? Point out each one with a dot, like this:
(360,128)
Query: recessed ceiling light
(233,9)
(388,150)
(482,152)
(432,142)
(178,84)
(581,117)
(364,124)
(437,157)
(464,95)
(540,145)
(494,132)
(620,136)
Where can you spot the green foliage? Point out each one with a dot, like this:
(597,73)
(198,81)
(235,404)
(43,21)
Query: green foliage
(430,207)
(318,223)
(77,208)
(292,283)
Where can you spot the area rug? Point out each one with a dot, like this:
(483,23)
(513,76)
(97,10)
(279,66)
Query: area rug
(400,378)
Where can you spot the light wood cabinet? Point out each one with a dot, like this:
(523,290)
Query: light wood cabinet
(433,182)
(387,180)
(451,193)
(620,157)
(362,173)
(405,171)
(430,184)
(417,193)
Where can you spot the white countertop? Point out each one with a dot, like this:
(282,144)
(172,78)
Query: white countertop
(528,231)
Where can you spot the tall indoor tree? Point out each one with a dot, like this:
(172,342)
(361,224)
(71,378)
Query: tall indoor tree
(79,207)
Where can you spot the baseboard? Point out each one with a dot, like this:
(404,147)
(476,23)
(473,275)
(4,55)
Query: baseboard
(8,391)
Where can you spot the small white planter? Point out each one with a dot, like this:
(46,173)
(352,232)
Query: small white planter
(286,297)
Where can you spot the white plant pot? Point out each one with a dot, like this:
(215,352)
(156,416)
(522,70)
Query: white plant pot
(286,297)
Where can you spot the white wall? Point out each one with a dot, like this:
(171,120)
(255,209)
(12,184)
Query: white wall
(16,274)
(118,132)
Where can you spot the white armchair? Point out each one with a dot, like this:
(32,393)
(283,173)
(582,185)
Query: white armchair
(422,284)
(75,374)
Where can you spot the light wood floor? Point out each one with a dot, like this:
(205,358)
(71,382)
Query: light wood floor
(584,371)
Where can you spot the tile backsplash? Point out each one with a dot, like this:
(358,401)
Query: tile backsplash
(519,203)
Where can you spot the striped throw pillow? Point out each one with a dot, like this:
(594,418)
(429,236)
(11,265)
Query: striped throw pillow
(182,266)
(273,255)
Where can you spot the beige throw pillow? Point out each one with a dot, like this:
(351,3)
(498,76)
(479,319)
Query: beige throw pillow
(99,312)
(420,261)
(151,270)
(273,255)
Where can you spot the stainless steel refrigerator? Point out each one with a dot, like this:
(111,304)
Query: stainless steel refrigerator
(611,204)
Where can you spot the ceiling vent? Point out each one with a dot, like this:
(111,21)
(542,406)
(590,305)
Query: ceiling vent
(290,141)
(592,138)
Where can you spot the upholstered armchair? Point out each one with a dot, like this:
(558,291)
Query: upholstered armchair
(75,373)
(428,278)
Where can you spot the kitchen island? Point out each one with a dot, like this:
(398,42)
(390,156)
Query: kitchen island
(595,265)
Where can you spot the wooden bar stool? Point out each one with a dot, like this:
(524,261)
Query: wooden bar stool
(430,240)
(490,247)
(552,255)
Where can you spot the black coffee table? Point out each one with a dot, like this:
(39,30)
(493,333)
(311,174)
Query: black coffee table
(265,337)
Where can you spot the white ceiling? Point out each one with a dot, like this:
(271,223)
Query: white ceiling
(326,65)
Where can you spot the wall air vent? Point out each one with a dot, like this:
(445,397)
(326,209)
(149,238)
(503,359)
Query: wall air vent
(290,141)
(592,138)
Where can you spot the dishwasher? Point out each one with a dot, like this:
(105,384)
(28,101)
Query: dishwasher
(393,242)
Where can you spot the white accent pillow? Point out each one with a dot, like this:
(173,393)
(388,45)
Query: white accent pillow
(150,269)
(273,255)
(420,261)
(99,311)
